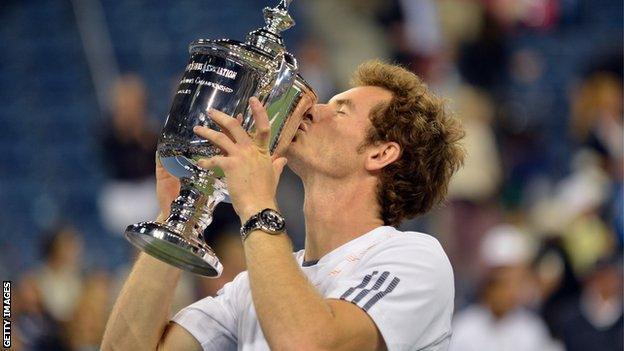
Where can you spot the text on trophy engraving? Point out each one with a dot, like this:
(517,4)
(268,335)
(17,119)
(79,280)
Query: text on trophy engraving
(205,67)
(202,82)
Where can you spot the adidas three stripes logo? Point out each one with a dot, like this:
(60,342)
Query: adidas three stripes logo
(370,288)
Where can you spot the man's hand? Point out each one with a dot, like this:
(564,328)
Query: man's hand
(251,173)
(167,189)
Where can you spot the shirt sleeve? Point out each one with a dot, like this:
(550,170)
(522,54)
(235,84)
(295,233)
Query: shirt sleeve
(406,287)
(213,320)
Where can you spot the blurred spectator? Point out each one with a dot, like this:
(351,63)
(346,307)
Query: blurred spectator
(500,321)
(582,195)
(59,277)
(128,146)
(594,321)
(574,211)
(478,180)
(597,125)
(597,119)
(35,329)
(473,189)
(557,282)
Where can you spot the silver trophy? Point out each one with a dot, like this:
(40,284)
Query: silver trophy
(221,74)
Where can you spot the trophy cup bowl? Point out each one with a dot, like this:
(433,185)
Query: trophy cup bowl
(223,75)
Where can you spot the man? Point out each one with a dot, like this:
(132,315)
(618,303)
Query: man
(373,156)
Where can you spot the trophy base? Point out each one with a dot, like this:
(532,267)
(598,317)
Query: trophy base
(166,245)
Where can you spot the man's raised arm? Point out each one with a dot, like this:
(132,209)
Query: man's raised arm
(141,314)
(140,317)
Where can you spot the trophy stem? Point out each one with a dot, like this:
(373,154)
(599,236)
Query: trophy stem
(180,240)
(191,211)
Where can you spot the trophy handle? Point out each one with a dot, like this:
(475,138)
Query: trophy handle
(284,78)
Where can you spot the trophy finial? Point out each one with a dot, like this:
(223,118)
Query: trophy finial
(283,5)
(278,19)
(269,38)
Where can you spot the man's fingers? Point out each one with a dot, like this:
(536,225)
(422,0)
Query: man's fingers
(214,161)
(263,127)
(219,139)
(229,125)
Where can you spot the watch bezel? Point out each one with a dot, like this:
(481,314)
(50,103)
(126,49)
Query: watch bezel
(259,221)
(273,226)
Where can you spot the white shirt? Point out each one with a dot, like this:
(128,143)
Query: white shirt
(402,280)
(476,329)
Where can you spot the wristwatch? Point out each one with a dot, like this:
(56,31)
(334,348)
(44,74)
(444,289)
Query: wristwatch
(268,220)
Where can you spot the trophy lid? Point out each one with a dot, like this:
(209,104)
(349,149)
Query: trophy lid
(269,38)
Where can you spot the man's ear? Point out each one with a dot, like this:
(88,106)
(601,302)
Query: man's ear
(381,155)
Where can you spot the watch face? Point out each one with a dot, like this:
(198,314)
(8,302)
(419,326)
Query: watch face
(272,220)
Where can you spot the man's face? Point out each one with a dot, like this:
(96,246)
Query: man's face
(329,137)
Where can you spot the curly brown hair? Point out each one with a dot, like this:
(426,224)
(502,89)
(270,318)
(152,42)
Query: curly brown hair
(428,135)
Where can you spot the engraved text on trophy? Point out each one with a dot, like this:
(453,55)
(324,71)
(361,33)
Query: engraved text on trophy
(209,81)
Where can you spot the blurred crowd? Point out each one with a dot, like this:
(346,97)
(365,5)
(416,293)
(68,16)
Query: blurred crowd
(533,224)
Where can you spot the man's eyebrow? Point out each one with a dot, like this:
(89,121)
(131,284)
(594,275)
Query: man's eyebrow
(346,102)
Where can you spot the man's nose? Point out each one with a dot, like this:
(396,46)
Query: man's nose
(318,112)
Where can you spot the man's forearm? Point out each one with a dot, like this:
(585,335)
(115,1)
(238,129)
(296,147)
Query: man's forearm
(142,309)
(289,308)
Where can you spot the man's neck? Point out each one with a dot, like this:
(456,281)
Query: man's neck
(336,212)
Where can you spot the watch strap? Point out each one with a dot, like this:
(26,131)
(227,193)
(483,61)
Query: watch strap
(250,225)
